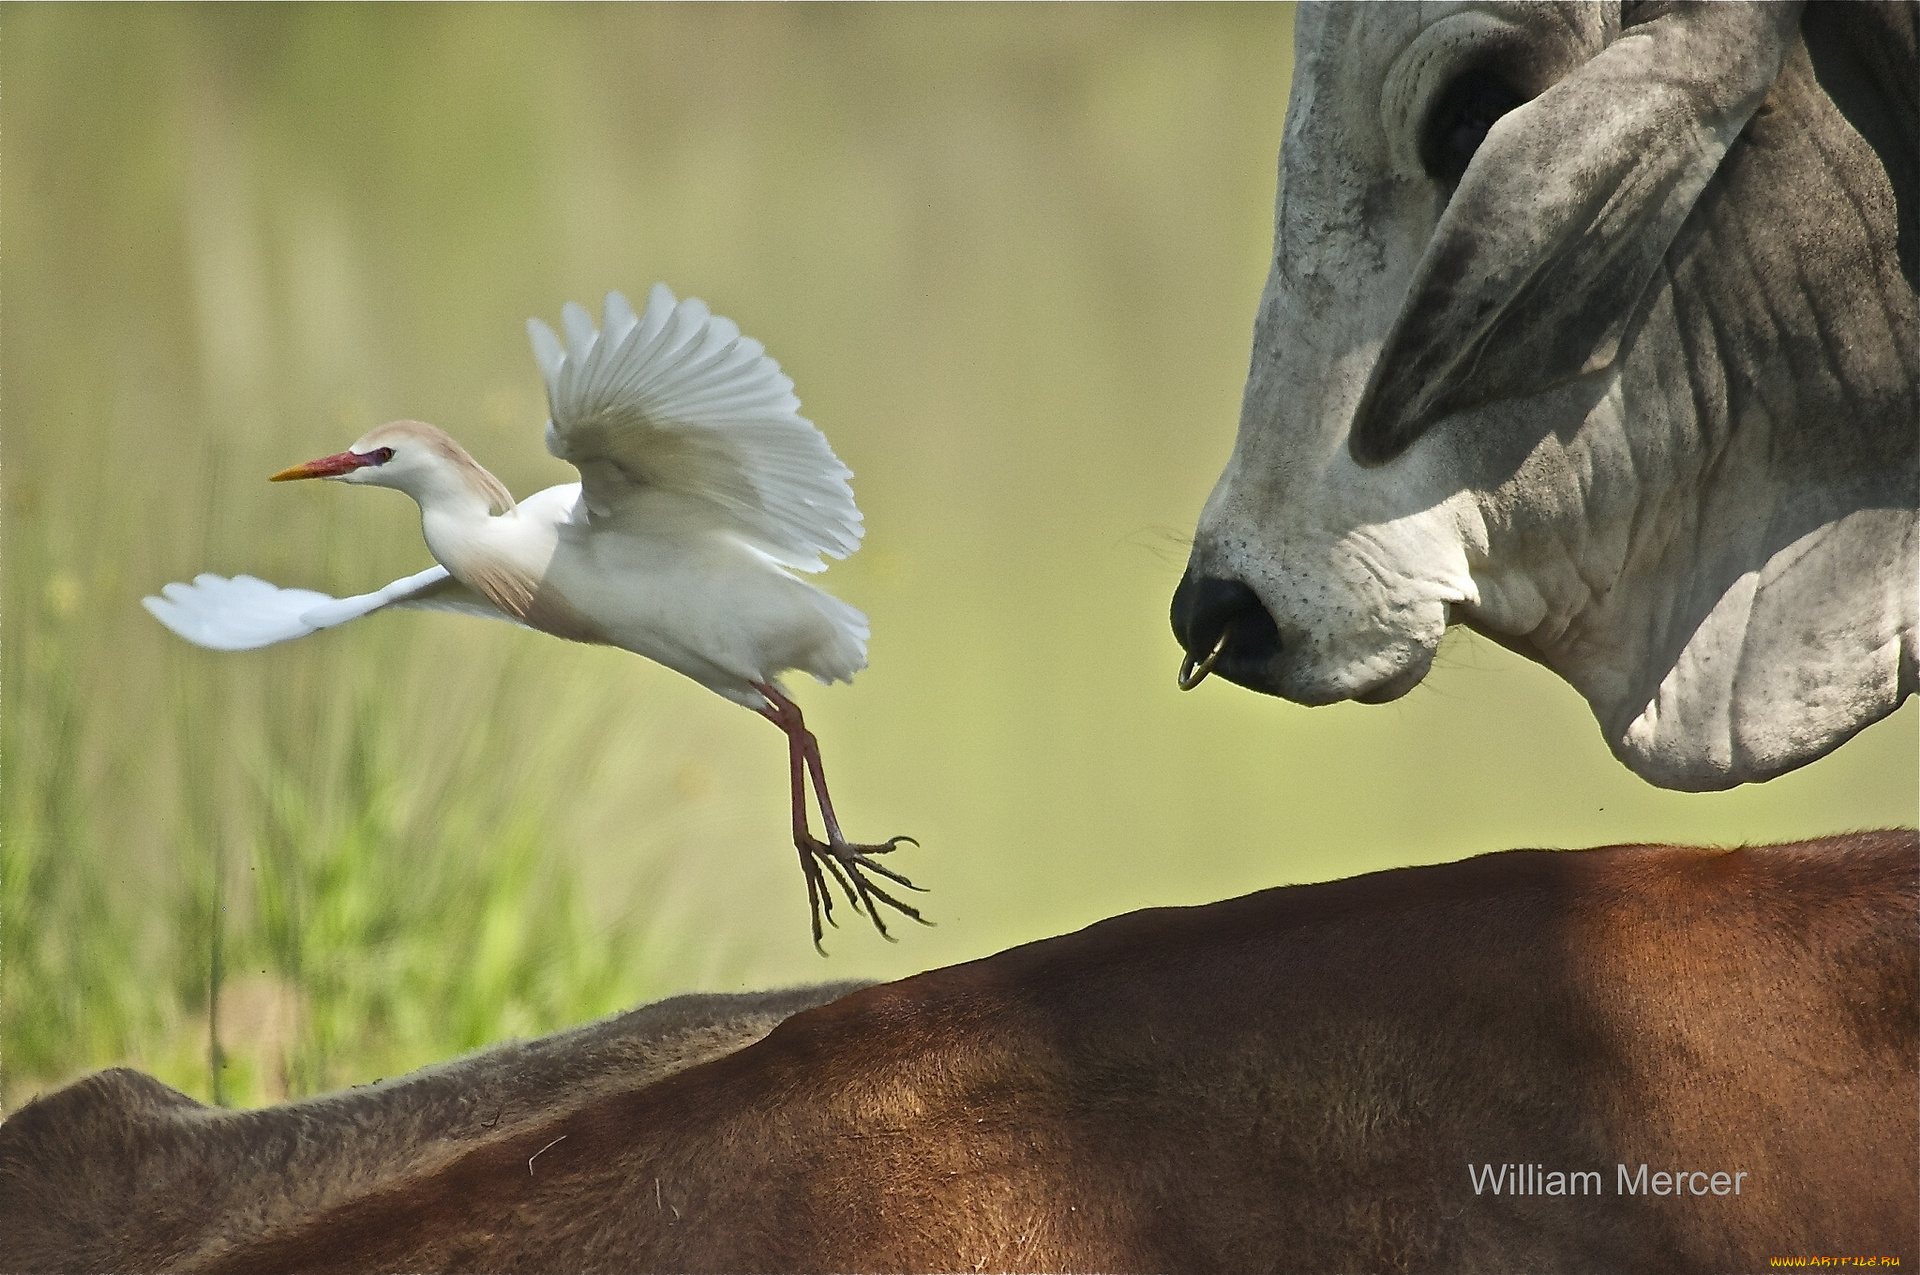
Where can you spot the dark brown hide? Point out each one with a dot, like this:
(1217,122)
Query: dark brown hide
(119,1172)
(1295,1080)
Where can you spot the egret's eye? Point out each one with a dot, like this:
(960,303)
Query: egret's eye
(1459,122)
(379,455)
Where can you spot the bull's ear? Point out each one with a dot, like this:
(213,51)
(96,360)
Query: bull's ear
(1562,216)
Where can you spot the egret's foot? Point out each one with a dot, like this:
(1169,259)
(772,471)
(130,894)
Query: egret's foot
(848,863)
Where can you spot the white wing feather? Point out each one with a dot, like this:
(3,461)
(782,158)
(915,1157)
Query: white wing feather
(677,400)
(244,612)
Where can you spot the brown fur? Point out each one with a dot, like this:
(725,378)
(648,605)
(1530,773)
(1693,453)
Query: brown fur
(119,1172)
(1295,1080)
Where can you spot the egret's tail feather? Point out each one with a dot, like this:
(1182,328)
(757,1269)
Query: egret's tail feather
(234,615)
(245,612)
(850,631)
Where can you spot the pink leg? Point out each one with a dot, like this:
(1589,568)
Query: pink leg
(847,861)
(817,892)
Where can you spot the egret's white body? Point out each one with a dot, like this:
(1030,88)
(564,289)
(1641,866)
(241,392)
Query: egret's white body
(671,587)
(702,492)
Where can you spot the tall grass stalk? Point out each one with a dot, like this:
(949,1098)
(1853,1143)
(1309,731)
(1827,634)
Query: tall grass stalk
(405,920)
(64,990)
(347,904)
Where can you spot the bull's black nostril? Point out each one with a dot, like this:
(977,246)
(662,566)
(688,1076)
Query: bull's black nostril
(1223,626)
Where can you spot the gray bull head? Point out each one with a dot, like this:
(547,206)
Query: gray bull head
(1595,332)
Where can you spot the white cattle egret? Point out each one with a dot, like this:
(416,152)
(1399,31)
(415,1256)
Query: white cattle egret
(702,491)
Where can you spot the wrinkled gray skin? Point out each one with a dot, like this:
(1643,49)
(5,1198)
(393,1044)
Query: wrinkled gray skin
(1637,399)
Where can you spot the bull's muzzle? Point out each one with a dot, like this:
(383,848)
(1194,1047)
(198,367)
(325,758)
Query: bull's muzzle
(1224,629)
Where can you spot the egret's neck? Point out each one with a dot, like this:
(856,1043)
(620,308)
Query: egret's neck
(457,502)
(447,483)
(445,493)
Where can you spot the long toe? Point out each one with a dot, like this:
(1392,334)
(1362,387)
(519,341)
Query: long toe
(849,863)
(819,896)
(855,856)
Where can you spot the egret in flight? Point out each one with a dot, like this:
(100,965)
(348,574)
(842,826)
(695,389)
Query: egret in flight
(702,492)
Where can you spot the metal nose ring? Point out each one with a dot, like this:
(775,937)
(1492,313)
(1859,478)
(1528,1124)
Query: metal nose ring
(1193,672)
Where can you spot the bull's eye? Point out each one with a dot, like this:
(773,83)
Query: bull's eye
(1459,122)
(380,455)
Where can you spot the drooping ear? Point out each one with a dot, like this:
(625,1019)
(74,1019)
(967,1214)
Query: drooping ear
(1562,216)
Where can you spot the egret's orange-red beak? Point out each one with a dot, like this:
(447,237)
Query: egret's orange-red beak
(330,466)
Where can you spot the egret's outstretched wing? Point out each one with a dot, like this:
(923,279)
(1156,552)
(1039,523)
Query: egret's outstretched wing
(677,400)
(244,612)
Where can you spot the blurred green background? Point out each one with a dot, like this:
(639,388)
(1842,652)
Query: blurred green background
(1010,255)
